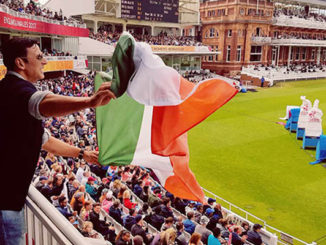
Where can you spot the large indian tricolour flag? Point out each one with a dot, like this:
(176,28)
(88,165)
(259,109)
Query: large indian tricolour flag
(147,124)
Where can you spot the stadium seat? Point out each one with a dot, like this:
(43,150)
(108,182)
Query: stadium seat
(320,150)
(292,123)
(300,133)
(310,141)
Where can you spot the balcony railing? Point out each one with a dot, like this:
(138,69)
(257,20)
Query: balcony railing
(261,40)
(294,21)
(6,9)
(298,42)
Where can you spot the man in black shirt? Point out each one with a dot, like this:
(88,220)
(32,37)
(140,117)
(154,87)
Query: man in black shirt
(254,236)
(22,135)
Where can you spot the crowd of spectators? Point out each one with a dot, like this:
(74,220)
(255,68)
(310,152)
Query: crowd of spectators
(54,52)
(51,52)
(294,71)
(302,68)
(33,9)
(196,76)
(105,35)
(130,195)
(301,36)
(300,13)
(164,39)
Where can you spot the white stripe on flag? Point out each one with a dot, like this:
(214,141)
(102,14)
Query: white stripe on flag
(143,155)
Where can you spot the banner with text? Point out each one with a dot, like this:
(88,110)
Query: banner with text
(166,48)
(176,49)
(17,23)
(54,65)
(59,65)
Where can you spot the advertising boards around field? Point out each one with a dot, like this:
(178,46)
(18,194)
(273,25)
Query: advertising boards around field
(24,24)
(80,64)
(172,49)
(314,124)
(54,65)
(304,112)
(3,71)
(59,65)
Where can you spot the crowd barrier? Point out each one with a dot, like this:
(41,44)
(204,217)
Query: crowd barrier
(46,225)
(270,235)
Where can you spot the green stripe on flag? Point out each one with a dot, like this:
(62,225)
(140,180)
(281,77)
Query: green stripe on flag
(122,64)
(118,126)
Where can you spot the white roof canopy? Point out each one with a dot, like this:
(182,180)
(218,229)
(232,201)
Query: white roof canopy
(91,47)
(71,7)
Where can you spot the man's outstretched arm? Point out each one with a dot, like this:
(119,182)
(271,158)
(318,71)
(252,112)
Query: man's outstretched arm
(60,148)
(57,105)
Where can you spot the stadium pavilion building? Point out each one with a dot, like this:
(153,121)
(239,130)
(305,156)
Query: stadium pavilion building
(270,33)
(44,223)
(51,34)
(180,18)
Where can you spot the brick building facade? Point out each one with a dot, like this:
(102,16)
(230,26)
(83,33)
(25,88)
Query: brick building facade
(246,32)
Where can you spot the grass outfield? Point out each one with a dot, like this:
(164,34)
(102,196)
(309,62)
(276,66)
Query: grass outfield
(242,155)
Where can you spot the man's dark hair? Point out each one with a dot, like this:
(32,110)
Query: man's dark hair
(61,199)
(179,226)
(190,215)
(96,205)
(169,220)
(132,211)
(15,48)
(216,232)
(166,200)
(257,227)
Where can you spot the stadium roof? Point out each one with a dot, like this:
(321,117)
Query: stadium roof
(313,3)
(91,47)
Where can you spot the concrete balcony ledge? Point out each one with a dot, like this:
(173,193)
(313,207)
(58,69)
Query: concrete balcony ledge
(298,42)
(298,22)
(261,40)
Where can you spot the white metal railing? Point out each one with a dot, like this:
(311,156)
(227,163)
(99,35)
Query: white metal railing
(294,21)
(56,58)
(281,74)
(261,40)
(46,225)
(270,234)
(299,42)
(6,9)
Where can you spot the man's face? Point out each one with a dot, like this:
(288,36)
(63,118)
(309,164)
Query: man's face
(34,64)
(126,237)
(97,209)
(64,203)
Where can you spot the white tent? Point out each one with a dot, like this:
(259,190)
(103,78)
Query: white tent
(91,47)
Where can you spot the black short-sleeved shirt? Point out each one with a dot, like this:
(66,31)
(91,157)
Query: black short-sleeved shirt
(20,141)
(254,238)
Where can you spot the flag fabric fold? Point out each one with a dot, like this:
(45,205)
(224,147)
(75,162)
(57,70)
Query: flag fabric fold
(147,125)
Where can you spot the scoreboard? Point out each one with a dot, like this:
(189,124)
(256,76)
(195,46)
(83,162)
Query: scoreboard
(151,10)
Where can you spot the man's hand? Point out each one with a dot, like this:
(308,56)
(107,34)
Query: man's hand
(91,157)
(102,96)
